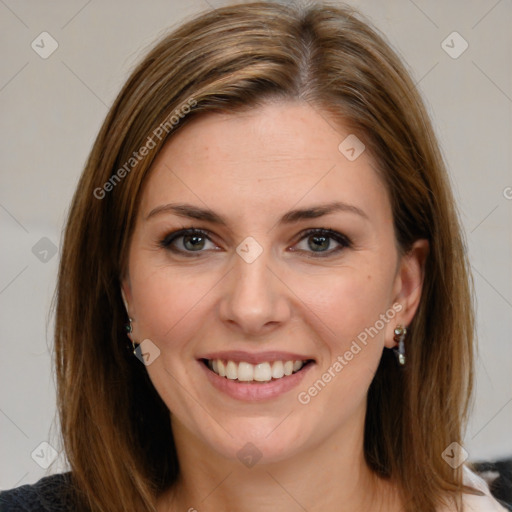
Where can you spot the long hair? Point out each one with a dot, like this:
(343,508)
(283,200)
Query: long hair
(115,428)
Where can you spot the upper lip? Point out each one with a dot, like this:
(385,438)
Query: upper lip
(255,357)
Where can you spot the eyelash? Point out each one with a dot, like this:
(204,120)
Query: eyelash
(342,240)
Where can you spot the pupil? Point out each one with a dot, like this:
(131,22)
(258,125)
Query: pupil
(321,242)
(196,240)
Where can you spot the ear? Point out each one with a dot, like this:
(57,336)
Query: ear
(408,286)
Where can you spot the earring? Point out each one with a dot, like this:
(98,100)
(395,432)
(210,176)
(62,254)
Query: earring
(400,332)
(129,330)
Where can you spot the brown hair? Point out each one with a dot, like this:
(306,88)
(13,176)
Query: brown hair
(116,429)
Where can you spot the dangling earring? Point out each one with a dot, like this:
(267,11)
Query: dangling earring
(129,330)
(400,332)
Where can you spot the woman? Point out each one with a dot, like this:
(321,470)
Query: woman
(266,214)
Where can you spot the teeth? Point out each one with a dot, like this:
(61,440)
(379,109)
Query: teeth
(247,372)
(262,372)
(277,369)
(232,370)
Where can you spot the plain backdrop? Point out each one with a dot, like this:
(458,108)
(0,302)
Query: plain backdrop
(52,109)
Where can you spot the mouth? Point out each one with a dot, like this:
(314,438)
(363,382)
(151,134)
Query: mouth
(254,377)
(260,373)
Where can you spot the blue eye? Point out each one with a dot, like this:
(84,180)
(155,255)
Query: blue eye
(319,241)
(193,242)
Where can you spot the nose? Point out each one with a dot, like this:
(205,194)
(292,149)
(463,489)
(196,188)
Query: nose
(255,298)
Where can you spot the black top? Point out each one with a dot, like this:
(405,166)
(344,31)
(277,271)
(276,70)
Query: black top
(54,493)
(49,494)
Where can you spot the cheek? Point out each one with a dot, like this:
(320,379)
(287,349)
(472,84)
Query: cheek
(346,303)
(167,301)
(346,314)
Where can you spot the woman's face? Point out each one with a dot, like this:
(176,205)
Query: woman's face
(261,282)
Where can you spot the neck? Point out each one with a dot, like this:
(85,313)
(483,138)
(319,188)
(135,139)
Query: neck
(330,476)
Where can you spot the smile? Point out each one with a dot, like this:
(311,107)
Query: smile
(267,377)
(262,372)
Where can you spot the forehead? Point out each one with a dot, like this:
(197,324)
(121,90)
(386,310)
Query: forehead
(267,158)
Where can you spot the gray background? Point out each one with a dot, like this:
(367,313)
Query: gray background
(52,109)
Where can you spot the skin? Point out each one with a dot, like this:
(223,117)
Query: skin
(251,168)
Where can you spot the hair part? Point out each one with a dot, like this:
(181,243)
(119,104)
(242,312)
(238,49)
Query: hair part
(115,427)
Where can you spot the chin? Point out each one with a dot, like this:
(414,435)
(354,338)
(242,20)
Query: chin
(259,440)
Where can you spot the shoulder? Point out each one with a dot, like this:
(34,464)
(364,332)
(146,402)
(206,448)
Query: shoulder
(49,494)
(485,503)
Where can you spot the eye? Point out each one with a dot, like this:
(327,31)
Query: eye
(318,242)
(190,240)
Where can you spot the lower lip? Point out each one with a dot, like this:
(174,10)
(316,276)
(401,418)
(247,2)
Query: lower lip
(256,390)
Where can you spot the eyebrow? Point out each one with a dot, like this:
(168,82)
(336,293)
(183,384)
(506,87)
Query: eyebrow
(205,214)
